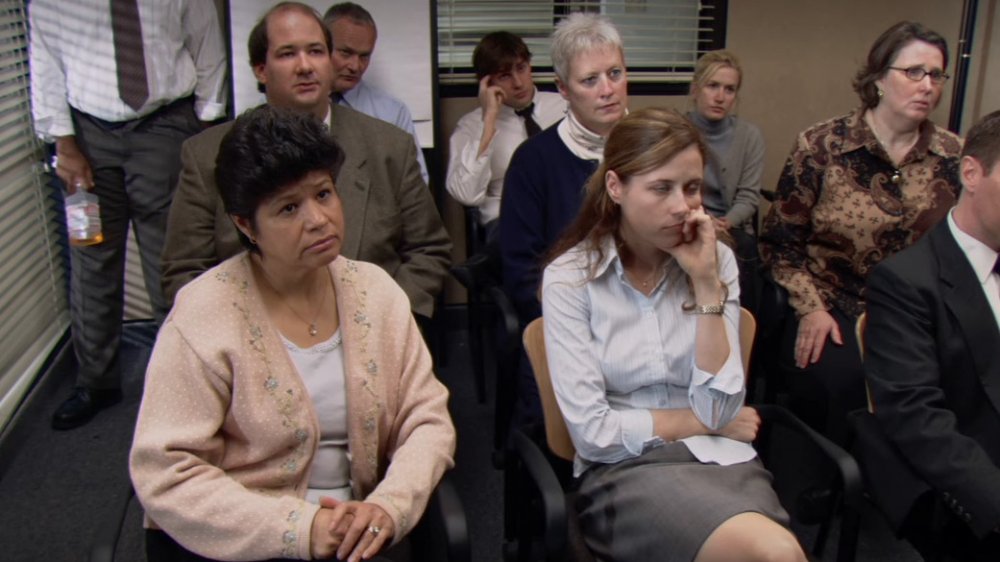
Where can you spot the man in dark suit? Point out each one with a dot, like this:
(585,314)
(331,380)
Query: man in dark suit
(391,219)
(932,359)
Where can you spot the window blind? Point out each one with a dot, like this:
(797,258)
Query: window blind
(662,38)
(33,309)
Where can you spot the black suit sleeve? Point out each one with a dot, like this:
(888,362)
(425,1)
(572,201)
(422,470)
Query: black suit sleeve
(905,367)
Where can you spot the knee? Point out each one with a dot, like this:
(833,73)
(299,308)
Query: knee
(776,547)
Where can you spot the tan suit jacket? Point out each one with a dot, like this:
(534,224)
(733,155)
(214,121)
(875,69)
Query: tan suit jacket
(390,215)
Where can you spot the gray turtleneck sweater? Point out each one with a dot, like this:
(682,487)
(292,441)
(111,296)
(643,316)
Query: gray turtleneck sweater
(734,167)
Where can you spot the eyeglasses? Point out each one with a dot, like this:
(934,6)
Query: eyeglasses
(917,73)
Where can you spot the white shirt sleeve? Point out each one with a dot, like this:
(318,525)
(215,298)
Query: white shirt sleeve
(468,173)
(203,40)
(48,81)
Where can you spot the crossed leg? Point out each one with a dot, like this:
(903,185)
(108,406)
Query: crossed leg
(750,537)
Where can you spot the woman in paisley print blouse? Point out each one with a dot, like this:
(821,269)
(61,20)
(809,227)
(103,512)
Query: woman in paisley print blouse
(855,190)
(289,410)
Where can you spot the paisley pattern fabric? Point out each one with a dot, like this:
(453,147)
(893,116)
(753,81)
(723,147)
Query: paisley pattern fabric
(842,207)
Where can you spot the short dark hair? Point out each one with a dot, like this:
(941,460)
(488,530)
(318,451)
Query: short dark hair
(267,149)
(349,10)
(884,51)
(257,43)
(983,142)
(498,52)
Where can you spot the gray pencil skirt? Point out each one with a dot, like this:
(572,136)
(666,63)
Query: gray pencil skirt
(664,504)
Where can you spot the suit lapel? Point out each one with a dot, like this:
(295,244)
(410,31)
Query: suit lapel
(353,183)
(963,295)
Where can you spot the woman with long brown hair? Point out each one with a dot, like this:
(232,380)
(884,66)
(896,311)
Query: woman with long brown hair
(641,307)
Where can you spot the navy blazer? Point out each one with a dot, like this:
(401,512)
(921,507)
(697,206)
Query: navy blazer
(932,359)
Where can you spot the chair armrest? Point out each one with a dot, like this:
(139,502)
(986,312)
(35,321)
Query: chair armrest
(109,530)
(532,465)
(847,468)
(443,532)
(508,355)
(511,327)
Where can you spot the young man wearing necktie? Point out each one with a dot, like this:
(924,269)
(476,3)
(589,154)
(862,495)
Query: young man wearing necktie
(511,109)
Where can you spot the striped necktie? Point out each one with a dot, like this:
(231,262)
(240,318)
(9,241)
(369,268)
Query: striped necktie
(130,59)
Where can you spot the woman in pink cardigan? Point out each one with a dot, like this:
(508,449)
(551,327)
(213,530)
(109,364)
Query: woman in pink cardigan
(290,410)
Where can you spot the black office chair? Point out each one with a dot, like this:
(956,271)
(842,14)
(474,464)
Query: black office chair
(541,524)
(442,535)
(494,334)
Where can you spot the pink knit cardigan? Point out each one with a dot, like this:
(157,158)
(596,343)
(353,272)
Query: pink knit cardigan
(226,431)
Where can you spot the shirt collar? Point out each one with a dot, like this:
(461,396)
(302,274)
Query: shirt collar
(981,256)
(857,134)
(612,261)
(504,108)
(350,97)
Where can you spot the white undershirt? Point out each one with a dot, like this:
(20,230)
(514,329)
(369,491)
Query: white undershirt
(322,370)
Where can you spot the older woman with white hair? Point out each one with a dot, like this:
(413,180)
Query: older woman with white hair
(543,188)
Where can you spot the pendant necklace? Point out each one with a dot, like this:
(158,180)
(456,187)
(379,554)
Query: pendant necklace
(313,330)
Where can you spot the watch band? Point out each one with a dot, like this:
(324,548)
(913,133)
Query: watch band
(716,309)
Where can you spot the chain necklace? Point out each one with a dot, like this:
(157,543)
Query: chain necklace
(313,330)
(653,276)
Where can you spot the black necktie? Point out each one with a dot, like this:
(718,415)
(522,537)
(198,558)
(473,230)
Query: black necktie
(996,266)
(529,122)
(129,56)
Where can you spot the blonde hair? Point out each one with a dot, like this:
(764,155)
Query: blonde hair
(712,61)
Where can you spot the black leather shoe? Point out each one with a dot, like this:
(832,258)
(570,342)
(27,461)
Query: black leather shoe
(83,405)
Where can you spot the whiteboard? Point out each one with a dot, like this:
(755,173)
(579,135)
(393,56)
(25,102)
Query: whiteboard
(401,63)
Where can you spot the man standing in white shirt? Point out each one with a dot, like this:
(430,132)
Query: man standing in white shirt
(118,87)
(354,34)
(510,110)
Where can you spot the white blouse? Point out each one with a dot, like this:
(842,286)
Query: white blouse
(322,370)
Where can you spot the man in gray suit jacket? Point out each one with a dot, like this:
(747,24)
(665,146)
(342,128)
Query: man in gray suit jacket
(933,366)
(391,219)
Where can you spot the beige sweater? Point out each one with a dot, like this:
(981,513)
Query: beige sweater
(226,431)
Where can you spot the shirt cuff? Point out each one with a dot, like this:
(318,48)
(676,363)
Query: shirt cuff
(209,110)
(729,379)
(637,431)
(54,129)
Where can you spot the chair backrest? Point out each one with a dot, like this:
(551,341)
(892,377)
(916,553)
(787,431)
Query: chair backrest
(748,329)
(556,434)
(859,334)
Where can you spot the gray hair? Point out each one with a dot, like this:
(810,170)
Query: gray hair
(579,33)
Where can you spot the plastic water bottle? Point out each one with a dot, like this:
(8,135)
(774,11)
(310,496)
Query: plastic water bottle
(83,218)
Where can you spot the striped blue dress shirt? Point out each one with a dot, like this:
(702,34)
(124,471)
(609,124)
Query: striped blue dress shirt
(615,354)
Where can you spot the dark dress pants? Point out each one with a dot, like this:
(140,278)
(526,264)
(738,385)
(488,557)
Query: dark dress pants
(136,165)
(824,392)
